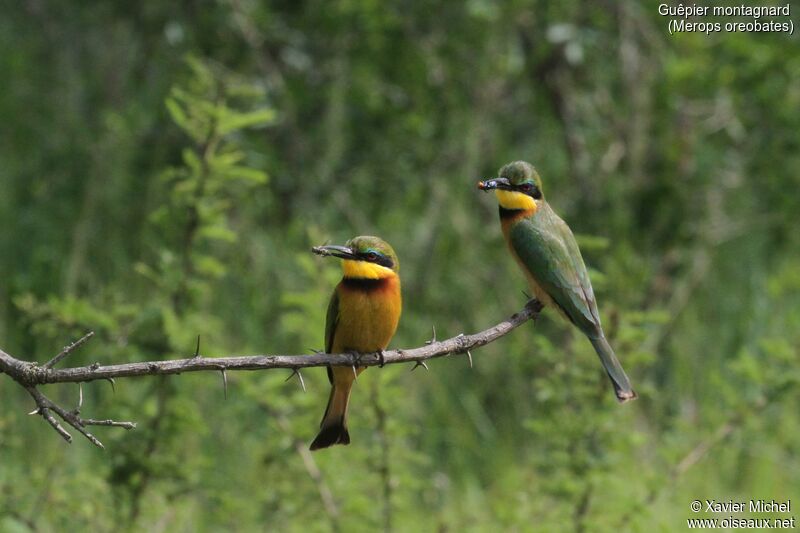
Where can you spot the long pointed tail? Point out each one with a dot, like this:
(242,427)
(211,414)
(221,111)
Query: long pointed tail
(333,428)
(622,386)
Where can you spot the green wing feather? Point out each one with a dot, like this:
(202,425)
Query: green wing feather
(547,248)
(331,321)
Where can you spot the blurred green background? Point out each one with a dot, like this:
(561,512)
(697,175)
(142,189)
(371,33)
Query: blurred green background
(166,166)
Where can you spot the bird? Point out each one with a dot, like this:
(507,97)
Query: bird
(546,251)
(363,314)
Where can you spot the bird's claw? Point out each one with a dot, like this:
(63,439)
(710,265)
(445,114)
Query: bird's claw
(534,305)
(357,356)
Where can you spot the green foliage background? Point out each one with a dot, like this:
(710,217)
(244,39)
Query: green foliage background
(165,168)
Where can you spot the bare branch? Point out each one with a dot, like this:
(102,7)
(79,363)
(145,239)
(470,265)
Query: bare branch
(69,349)
(73,418)
(30,375)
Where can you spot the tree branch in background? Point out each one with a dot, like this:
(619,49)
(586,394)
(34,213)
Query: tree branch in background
(30,374)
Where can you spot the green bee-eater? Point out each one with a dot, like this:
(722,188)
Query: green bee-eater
(546,250)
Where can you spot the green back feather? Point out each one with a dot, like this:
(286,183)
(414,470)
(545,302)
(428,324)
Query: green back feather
(547,248)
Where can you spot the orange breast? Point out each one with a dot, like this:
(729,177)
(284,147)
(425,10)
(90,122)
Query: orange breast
(368,316)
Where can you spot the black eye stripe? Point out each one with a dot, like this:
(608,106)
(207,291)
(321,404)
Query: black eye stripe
(530,189)
(378,259)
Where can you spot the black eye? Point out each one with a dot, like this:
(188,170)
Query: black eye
(526,187)
(371,256)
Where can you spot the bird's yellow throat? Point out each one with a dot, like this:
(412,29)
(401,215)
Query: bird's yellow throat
(515,200)
(365,270)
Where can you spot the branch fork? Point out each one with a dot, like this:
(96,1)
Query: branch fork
(46,407)
(30,375)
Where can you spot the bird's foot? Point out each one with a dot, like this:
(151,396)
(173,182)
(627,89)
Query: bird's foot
(535,305)
(356,358)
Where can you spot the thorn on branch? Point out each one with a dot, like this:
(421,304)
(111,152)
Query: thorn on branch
(68,350)
(433,339)
(224,382)
(197,350)
(45,406)
(113,388)
(469,358)
(420,363)
(77,410)
(296,371)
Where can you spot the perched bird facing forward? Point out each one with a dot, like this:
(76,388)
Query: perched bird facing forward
(546,250)
(362,317)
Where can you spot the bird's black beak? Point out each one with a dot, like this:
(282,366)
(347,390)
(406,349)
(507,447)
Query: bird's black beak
(342,252)
(498,183)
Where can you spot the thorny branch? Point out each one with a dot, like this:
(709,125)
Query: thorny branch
(44,406)
(23,373)
(30,374)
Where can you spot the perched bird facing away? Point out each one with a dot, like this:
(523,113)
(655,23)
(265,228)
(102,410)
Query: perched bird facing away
(362,317)
(546,250)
